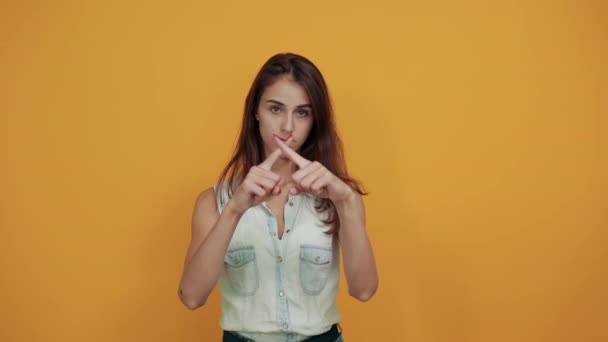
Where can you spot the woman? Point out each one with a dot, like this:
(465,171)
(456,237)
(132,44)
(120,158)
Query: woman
(272,228)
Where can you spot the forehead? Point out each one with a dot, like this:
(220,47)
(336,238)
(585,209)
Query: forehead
(286,91)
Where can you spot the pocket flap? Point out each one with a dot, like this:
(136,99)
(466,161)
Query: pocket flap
(315,255)
(240,256)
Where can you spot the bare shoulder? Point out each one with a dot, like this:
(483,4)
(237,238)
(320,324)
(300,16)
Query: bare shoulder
(204,217)
(206,196)
(205,205)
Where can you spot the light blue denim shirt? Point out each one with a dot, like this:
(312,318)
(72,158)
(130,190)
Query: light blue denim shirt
(280,289)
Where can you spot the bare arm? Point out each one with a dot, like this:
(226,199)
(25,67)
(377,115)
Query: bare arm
(359,263)
(211,234)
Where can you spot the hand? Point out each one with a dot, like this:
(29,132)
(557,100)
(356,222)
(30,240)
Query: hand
(259,184)
(314,178)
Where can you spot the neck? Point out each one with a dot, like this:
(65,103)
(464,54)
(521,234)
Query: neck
(285,168)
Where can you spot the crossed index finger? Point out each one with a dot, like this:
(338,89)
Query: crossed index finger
(293,155)
(272,158)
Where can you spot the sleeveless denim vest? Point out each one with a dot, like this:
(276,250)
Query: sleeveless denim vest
(280,289)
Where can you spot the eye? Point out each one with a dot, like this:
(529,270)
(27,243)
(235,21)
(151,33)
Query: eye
(275,109)
(303,113)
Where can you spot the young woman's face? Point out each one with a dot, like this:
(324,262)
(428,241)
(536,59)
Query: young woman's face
(284,111)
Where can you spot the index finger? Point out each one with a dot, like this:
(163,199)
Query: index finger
(273,157)
(293,155)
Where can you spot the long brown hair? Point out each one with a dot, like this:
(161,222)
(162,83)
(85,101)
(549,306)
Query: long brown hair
(323,143)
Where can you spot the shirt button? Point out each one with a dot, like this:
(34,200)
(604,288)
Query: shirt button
(281,293)
(279,259)
(291,204)
(285,326)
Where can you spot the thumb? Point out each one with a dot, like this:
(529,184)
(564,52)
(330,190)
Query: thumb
(276,190)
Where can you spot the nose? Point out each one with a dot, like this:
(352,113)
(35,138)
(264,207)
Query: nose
(287,125)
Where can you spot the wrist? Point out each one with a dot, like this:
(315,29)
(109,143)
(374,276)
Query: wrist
(347,199)
(232,210)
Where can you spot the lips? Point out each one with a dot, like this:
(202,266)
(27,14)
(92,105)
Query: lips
(283,139)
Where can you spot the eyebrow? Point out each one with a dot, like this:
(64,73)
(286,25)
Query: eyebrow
(282,104)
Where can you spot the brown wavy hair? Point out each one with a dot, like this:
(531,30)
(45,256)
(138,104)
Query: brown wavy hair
(323,143)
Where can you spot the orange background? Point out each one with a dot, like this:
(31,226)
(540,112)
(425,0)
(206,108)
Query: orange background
(480,129)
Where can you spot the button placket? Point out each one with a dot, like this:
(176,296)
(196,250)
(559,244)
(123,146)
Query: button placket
(271,221)
(291,212)
(282,318)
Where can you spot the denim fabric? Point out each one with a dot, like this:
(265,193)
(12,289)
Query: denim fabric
(280,289)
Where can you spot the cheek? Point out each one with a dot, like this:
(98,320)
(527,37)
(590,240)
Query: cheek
(265,124)
(267,129)
(306,128)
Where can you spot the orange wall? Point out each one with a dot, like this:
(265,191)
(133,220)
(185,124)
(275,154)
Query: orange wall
(480,129)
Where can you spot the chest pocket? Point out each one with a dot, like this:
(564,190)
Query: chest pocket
(315,264)
(242,270)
